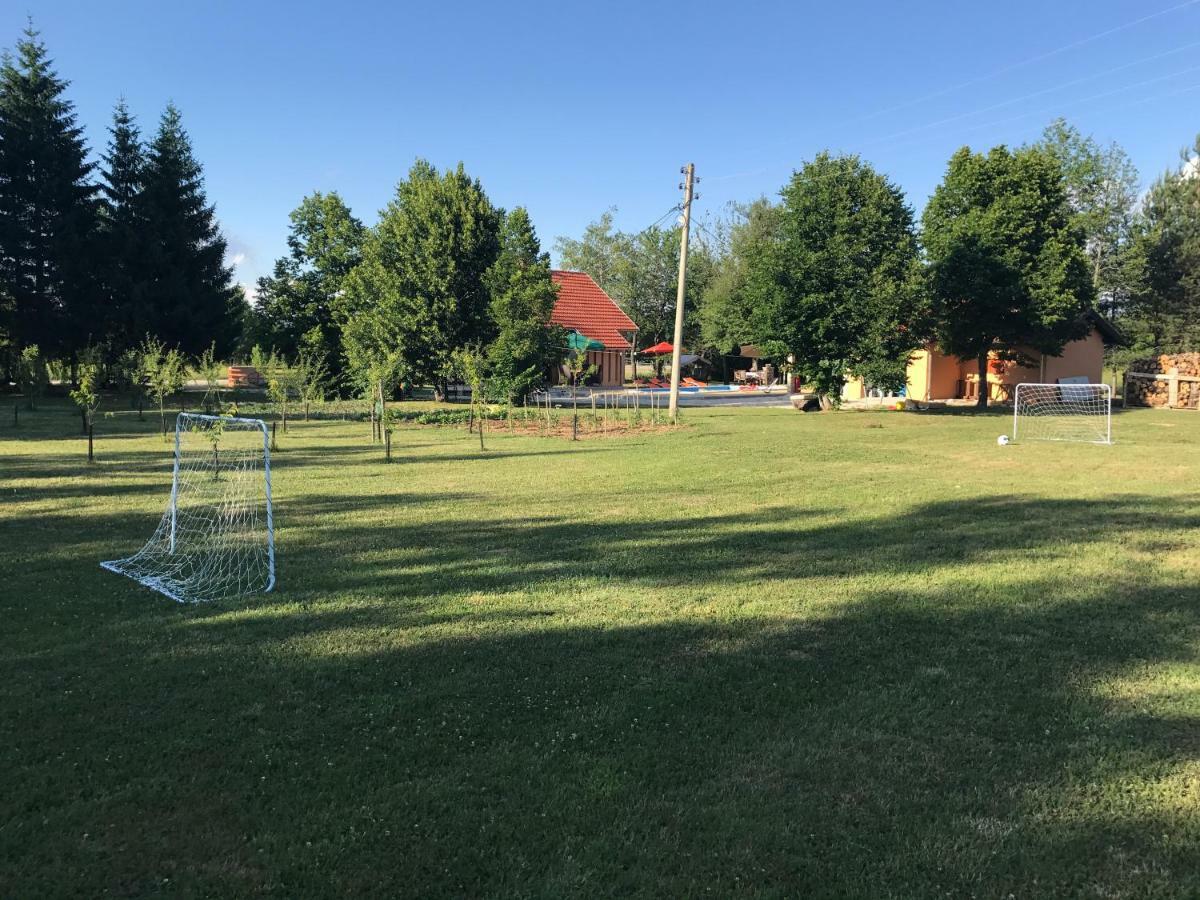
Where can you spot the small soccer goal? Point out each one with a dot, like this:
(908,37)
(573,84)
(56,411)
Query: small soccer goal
(216,539)
(1063,412)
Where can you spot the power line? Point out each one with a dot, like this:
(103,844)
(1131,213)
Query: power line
(1052,110)
(998,72)
(1004,70)
(1050,90)
(907,136)
(1045,111)
(674,209)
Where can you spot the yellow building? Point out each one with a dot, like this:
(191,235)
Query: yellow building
(933,375)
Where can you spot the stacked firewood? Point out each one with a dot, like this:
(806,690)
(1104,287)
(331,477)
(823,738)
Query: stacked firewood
(1151,392)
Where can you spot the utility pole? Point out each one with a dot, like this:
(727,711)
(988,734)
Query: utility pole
(689,173)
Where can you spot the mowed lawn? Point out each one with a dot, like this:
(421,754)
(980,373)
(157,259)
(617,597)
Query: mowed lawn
(770,654)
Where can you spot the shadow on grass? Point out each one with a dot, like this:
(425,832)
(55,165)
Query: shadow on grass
(974,740)
(413,560)
(906,744)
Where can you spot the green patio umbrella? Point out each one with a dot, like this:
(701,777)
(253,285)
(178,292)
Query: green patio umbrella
(577,341)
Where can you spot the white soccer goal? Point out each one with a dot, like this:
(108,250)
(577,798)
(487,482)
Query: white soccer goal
(1063,412)
(217,538)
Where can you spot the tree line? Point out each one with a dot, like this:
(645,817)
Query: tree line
(98,256)
(1014,249)
(444,285)
(837,277)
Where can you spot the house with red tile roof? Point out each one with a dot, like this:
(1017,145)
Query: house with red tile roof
(583,306)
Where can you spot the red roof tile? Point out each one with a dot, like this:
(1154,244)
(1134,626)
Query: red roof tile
(584,307)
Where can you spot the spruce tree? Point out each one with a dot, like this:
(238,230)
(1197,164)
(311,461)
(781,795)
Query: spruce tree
(192,301)
(123,233)
(47,207)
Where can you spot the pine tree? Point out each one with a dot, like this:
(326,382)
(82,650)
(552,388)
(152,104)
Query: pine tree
(47,207)
(523,296)
(124,233)
(191,299)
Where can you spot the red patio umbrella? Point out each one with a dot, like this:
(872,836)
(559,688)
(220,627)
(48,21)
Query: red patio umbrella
(660,349)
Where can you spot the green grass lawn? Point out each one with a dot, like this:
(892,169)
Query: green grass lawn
(770,654)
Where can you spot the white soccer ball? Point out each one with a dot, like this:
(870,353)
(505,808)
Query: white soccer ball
(1002,440)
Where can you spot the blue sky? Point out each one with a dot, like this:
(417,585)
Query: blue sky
(570,109)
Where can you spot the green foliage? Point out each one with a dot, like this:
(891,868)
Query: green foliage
(127,370)
(213,372)
(47,208)
(1007,266)
(579,370)
(31,371)
(124,234)
(1164,316)
(640,271)
(163,370)
(1101,185)
(725,307)
(302,295)
(651,285)
(87,394)
(312,372)
(191,295)
(838,288)
(470,364)
(602,253)
(213,431)
(522,299)
(420,291)
(283,384)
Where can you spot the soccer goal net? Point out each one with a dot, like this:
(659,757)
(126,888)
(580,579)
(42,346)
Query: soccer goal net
(1063,412)
(217,538)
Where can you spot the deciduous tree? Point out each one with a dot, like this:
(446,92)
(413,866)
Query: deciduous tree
(304,288)
(1165,313)
(640,271)
(522,299)
(602,253)
(1007,263)
(725,307)
(420,291)
(1102,190)
(838,286)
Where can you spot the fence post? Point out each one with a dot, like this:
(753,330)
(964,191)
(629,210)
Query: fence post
(1173,387)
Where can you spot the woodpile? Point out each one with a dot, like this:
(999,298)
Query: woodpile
(1142,391)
